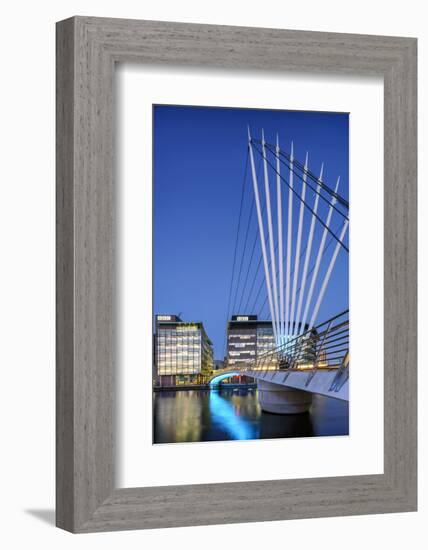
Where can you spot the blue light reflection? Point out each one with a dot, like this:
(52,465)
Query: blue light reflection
(225,415)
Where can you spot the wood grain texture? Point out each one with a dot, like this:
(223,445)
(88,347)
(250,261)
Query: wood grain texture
(64,277)
(87,49)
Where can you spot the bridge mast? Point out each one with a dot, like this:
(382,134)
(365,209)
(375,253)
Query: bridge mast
(289,251)
(327,275)
(319,256)
(280,244)
(309,250)
(275,319)
(262,235)
(294,319)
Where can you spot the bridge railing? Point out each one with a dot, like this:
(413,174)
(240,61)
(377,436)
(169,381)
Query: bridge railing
(325,346)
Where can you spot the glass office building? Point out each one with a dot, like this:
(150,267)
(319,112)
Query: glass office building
(183,352)
(248,339)
(250,342)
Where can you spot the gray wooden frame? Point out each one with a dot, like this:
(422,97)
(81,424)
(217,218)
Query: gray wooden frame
(87,50)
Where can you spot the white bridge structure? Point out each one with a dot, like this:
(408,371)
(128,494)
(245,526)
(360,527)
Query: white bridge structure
(296,226)
(316,361)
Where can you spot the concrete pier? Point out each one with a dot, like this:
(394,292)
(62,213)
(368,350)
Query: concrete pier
(278,399)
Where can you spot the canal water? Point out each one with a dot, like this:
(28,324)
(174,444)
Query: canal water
(219,415)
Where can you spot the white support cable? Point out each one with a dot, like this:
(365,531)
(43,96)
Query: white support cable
(262,234)
(289,251)
(318,260)
(280,244)
(275,319)
(328,275)
(309,250)
(293,319)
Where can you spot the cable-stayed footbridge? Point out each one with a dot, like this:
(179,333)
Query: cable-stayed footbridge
(302,231)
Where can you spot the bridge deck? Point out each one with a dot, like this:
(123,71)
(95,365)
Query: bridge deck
(331,383)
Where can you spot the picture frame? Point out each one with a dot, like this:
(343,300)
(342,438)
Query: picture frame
(87,51)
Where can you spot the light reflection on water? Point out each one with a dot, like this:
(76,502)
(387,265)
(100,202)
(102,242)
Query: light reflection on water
(225,414)
(234,414)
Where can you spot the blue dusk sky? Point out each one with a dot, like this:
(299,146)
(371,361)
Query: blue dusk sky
(200,158)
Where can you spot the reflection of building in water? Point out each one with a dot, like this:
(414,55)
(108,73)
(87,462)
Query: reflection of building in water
(183,352)
(178,416)
(247,339)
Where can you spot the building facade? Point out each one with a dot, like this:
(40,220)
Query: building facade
(219,364)
(248,339)
(183,353)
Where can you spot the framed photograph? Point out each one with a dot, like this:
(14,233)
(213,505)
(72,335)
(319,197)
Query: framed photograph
(236,219)
(267,343)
